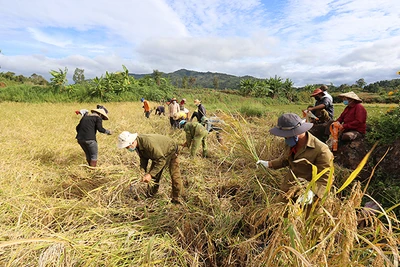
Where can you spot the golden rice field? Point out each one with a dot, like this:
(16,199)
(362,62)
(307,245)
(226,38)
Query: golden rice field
(54,212)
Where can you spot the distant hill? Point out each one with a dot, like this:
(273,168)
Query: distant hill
(203,79)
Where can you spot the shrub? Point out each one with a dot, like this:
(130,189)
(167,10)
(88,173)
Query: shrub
(385,128)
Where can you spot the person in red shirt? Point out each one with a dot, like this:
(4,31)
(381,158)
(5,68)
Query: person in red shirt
(353,118)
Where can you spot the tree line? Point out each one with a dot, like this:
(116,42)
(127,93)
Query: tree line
(112,85)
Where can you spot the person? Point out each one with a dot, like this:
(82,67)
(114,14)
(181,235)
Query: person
(173,109)
(183,108)
(160,110)
(178,117)
(162,151)
(86,133)
(195,134)
(323,107)
(182,104)
(82,112)
(302,150)
(353,118)
(323,114)
(200,112)
(214,124)
(146,107)
(324,88)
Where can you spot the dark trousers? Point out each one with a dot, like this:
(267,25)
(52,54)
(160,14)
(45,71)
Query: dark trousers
(90,148)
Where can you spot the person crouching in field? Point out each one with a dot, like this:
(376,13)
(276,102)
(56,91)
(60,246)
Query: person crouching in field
(160,110)
(195,134)
(302,150)
(180,116)
(162,151)
(82,112)
(86,133)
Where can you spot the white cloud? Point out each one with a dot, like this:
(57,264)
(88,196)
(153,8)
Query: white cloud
(45,38)
(307,41)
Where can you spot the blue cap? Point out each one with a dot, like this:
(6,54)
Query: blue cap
(142,99)
(182,122)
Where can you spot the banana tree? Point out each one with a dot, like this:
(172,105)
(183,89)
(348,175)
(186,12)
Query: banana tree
(275,84)
(122,80)
(246,87)
(99,89)
(59,79)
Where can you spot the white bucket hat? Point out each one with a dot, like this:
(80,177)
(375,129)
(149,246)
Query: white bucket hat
(126,139)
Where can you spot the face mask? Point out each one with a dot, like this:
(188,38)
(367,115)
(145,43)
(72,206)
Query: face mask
(131,149)
(346,102)
(292,141)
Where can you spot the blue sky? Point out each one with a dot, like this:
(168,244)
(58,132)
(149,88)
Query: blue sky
(307,41)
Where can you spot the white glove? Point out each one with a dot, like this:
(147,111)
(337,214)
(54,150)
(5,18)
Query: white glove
(263,162)
(307,198)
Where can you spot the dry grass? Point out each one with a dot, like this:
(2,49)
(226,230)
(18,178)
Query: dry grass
(58,213)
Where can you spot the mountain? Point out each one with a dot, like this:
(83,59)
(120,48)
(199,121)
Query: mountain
(202,79)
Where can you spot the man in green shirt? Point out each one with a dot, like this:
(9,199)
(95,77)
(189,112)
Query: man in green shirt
(195,134)
(162,151)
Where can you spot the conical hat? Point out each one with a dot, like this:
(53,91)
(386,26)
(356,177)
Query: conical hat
(351,95)
(100,111)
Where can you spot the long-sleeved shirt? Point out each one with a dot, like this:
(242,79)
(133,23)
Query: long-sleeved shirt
(194,130)
(314,152)
(87,127)
(158,148)
(173,109)
(202,110)
(146,106)
(354,117)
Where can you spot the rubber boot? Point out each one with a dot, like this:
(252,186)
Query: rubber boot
(93,163)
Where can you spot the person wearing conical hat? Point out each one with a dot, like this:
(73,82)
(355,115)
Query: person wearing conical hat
(353,119)
(86,133)
(303,150)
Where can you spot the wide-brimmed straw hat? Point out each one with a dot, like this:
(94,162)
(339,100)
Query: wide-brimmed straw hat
(101,111)
(290,124)
(126,139)
(317,91)
(196,101)
(351,95)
